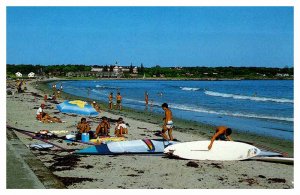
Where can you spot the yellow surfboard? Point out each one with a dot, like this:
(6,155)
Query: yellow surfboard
(107,139)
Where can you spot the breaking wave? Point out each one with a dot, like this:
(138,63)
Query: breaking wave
(203,110)
(244,97)
(106,87)
(189,89)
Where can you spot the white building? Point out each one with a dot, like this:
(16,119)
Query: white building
(135,70)
(117,69)
(97,69)
(31,75)
(18,74)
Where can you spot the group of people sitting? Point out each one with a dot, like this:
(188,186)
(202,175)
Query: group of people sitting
(103,128)
(45,117)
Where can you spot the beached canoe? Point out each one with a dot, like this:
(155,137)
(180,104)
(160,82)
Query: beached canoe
(144,146)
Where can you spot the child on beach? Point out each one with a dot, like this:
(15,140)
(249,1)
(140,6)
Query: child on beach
(120,128)
(83,127)
(103,128)
(222,133)
(96,106)
(168,123)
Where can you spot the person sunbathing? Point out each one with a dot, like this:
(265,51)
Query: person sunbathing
(46,118)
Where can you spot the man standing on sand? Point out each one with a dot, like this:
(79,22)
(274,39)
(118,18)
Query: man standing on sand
(222,133)
(119,101)
(110,100)
(168,123)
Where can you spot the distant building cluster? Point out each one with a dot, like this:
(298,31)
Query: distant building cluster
(112,71)
(282,75)
(30,75)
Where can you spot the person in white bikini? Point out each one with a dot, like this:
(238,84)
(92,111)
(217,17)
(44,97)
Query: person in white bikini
(168,123)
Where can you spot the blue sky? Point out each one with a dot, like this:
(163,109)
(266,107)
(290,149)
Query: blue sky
(168,36)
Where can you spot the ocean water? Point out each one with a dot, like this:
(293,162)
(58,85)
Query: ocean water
(260,106)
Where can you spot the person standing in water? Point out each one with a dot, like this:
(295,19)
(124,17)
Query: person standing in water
(146,99)
(119,101)
(110,100)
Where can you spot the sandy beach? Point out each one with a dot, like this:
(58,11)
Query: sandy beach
(135,171)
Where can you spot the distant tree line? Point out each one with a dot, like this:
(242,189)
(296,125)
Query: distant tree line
(166,72)
(218,72)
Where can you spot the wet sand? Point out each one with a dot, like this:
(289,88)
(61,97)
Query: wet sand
(141,171)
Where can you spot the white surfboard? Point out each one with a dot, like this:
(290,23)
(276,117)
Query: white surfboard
(221,150)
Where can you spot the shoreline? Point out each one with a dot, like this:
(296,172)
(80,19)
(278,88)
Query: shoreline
(183,125)
(139,171)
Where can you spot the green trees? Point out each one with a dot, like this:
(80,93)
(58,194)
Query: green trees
(157,71)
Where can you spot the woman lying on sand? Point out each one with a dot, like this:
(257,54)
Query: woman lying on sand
(46,118)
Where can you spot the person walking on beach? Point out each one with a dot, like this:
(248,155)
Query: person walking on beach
(58,93)
(54,87)
(119,101)
(19,86)
(103,127)
(222,133)
(168,123)
(110,100)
